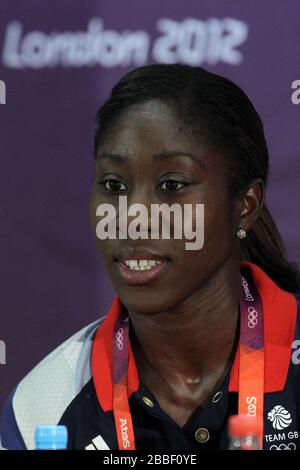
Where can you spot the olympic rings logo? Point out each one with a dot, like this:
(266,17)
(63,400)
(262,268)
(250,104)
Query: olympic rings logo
(252,317)
(119,339)
(290,446)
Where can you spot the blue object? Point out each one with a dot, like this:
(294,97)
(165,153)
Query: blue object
(51,437)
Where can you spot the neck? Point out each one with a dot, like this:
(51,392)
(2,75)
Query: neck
(194,340)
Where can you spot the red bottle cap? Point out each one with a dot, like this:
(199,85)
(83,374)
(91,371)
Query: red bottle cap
(244,425)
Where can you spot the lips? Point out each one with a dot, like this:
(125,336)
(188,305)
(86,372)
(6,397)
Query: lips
(139,265)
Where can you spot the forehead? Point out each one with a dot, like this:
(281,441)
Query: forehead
(149,128)
(151,123)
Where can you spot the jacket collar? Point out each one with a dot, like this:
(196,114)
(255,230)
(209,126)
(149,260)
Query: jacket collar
(280,312)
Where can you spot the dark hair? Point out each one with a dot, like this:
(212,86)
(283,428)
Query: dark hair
(219,113)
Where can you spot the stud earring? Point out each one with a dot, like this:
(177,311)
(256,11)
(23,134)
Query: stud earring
(241,233)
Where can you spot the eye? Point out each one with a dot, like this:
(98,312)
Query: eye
(171,185)
(113,185)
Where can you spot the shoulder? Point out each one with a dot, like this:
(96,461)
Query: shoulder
(44,394)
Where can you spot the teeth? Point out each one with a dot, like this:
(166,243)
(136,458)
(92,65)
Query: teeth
(142,264)
(131,263)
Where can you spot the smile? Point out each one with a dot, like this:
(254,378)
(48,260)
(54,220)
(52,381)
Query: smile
(140,266)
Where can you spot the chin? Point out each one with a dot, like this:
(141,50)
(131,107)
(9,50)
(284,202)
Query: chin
(143,302)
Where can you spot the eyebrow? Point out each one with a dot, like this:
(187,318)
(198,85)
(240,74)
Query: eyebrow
(157,157)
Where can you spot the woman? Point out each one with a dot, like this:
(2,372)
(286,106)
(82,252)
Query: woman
(192,336)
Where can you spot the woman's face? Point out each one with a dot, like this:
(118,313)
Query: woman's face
(128,165)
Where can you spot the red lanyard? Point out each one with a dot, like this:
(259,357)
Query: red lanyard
(122,415)
(251,366)
(251,360)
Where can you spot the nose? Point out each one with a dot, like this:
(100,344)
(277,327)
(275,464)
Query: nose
(135,209)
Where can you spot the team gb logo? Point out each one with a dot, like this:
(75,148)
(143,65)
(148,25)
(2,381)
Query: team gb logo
(279,417)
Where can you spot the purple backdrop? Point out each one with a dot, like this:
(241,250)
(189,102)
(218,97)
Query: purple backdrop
(59,60)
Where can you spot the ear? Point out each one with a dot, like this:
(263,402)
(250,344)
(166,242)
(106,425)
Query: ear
(251,203)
